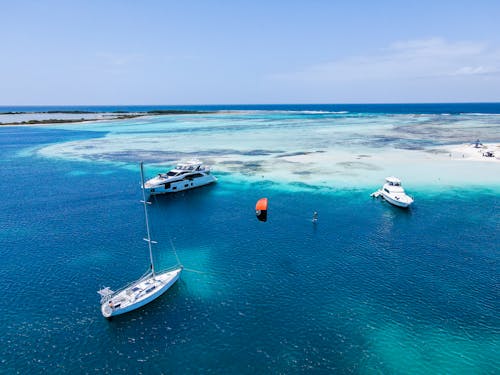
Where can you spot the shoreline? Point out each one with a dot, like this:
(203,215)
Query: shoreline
(103,116)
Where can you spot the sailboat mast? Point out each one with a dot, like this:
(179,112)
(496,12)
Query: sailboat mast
(148,240)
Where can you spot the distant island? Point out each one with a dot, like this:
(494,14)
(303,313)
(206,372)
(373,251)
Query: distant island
(115,115)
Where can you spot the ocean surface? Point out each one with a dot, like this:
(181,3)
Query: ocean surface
(410,108)
(368,289)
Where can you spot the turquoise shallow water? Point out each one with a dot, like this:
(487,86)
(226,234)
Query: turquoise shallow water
(320,148)
(369,289)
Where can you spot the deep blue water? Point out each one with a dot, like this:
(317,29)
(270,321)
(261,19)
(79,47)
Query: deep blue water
(417,108)
(369,289)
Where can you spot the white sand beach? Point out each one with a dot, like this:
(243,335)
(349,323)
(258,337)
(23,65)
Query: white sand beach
(471,152)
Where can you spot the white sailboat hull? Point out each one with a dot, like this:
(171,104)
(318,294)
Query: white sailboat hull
(139,293)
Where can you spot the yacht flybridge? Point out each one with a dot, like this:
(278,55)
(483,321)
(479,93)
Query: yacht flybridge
(186,175)
(149,287)
(393,192)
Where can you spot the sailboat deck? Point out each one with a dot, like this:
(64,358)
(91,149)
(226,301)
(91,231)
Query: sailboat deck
(139,293)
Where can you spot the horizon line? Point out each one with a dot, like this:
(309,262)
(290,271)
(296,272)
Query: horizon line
(239,104)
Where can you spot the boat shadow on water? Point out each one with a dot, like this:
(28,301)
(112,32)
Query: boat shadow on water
(395,212)
(401,211)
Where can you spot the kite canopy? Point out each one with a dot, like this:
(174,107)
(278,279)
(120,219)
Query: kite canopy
(261,209)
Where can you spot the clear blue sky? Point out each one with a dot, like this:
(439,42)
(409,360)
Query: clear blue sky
(232,52)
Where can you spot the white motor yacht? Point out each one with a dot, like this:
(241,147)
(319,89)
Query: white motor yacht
(393,192)
(186,175)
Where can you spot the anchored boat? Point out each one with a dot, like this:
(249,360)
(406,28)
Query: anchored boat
(393,192)
(187,175)
(140,292)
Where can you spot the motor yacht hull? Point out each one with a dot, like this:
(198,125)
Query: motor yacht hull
(399,200)
(179,185)
(139,293)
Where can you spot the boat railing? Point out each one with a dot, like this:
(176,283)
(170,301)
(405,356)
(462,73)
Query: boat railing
(106,296)
(114,293)
(106,293)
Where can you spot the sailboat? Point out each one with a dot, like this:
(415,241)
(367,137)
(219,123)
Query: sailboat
(140,292)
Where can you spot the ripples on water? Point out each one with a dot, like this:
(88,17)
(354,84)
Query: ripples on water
(370,288)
